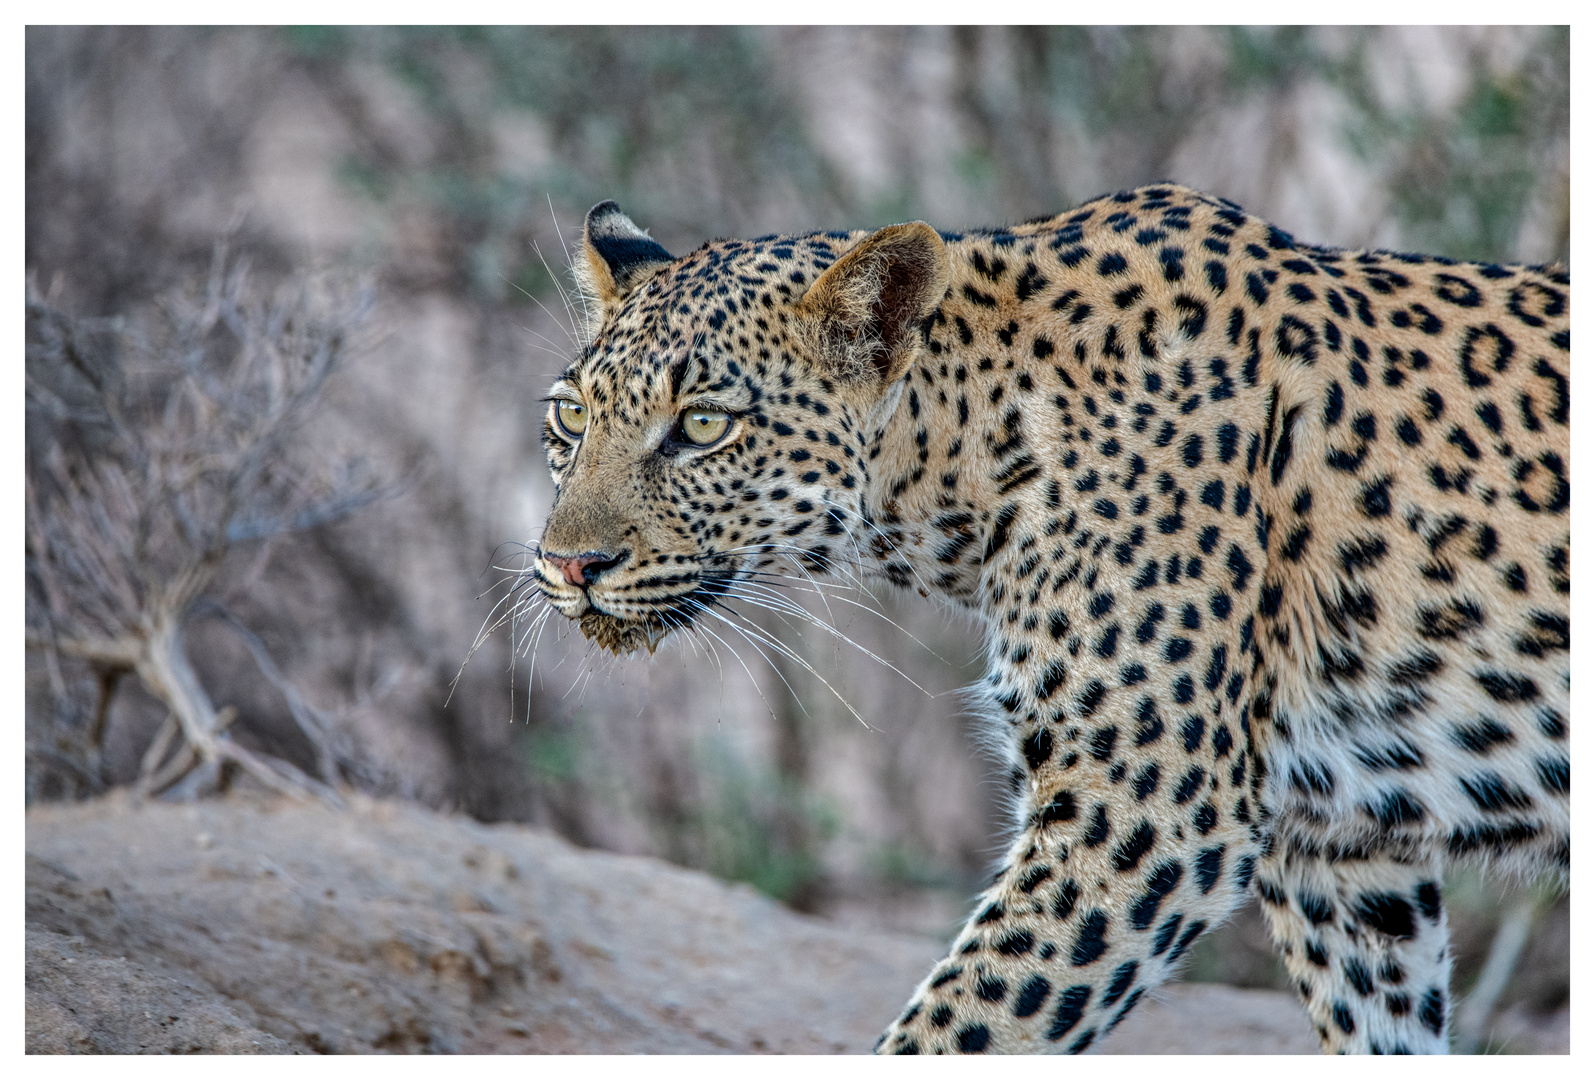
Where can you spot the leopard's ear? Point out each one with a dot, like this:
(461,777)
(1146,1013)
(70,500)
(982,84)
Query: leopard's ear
(615,256)
(865,311)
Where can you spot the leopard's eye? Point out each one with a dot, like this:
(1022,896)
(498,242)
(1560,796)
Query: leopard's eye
(571,417)
(704,426)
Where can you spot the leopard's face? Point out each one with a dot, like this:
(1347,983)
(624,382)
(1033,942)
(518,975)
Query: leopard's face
(699,449)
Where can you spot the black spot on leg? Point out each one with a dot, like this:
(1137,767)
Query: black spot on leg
(1209,866)
(1271,893)
(1386,913)
(1192,932)
(1165,934)
(1189,785)
(1146,781)
(1038,749)
(1317,908)
(1102,743)
(1284,448)
(1397,807)
(1032,995)
(1375,497)
(1015,943)
(1357,975)
(1159,884)
(1033,878)
(1124,1011)
(1482,736)
(1554,774)
(991,988)
(1063,903)
(1123,979)
(1090,944)
(1431,1013)
(973,1039)
(1342,1016)
(1071,1006)
(1060,808)
(1493,794)
(1506,687)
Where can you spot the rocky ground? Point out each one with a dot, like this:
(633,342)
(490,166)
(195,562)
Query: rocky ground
(249,926)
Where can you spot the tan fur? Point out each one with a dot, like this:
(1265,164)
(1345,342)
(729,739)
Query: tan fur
(1269,543)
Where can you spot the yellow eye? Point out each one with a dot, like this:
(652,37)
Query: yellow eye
(571,417)
(704,426)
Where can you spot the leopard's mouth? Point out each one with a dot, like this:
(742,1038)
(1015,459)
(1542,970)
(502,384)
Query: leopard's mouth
(623,636)
(646,624)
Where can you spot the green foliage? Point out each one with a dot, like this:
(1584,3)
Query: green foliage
(758,826)
(904,864)
(622,109)
(1461,177)
(1479,171)
(691,129)
(316,42)
(553,754)
(740,821)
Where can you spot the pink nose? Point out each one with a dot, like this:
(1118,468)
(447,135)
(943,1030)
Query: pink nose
(582,570)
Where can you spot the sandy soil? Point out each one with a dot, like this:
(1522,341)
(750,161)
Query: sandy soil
(247,926)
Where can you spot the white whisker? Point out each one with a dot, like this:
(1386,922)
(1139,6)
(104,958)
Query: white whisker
(781,648)
(812,620)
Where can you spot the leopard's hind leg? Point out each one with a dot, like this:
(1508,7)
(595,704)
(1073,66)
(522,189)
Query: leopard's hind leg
(1365,942)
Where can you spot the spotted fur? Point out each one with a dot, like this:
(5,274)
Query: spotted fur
(1270,542)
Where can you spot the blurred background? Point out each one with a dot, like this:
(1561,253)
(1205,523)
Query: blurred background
(430,183)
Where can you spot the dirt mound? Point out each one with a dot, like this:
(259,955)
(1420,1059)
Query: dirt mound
(240,926)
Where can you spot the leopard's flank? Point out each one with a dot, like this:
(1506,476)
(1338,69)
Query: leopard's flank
(1270,543)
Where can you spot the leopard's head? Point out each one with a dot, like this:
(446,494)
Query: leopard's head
(717,427)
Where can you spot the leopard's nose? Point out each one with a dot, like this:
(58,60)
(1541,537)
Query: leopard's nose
(584,569)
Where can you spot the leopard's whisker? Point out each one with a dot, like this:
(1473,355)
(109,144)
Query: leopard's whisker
(489,624)
(812,620)
(777,645)
(818,587)
(580,294)
(768,663)
(892,622)
(564,299)
(738,658)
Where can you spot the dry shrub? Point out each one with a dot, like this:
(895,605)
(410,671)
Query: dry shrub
(156,444)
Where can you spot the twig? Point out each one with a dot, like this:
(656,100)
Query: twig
(313,724)
(1473,1016)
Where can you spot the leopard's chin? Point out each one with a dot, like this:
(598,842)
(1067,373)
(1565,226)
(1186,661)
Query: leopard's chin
(621,636)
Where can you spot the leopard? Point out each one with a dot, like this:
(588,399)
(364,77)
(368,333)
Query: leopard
(1268,543)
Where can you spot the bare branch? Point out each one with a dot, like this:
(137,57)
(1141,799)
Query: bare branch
(159,442)
(314,724)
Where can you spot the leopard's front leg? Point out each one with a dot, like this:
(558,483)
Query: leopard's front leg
(1136,838)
